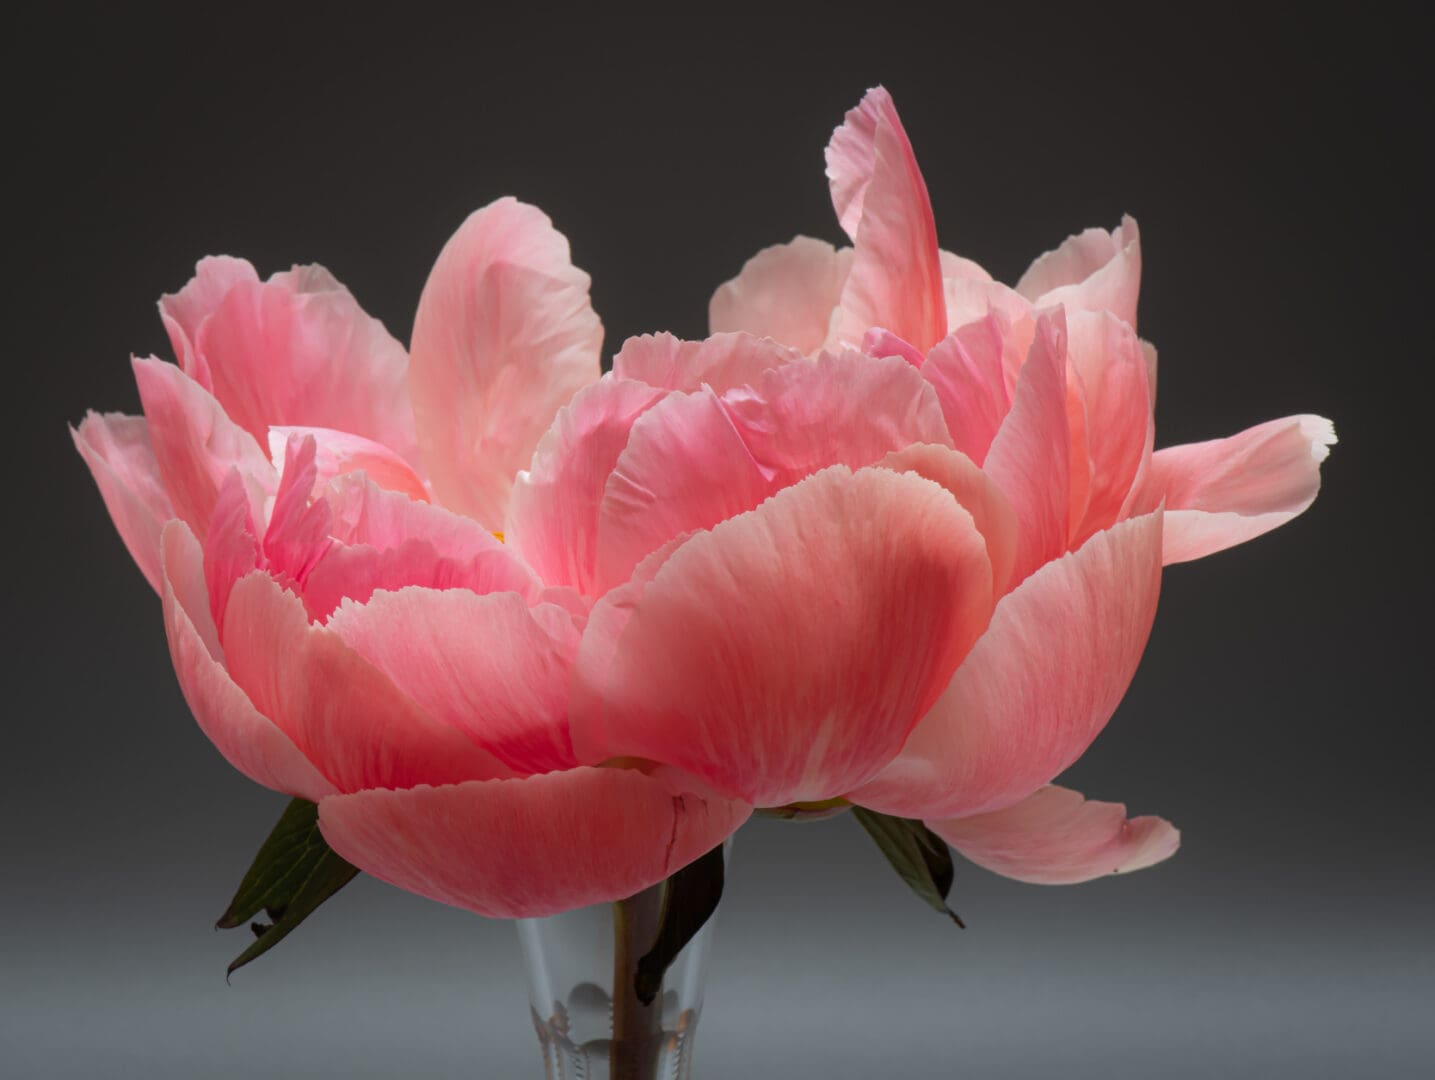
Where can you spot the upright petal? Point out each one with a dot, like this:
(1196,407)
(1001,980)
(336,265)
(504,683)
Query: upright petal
(184,312)
(786,654)
(968,371)
(1038,687)
(340,452)
(505,334)
(1093,271)
(248,740)
(536,846)
(489,666)
(1056,837)
(881,200)
(721,362)
(121,458)
(1227,491)
(788,292)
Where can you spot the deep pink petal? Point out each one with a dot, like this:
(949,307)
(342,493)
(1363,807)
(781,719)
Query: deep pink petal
(1057,837)
(1093,271)
(196,444)
(788,292)
(505,334)
(300,351)
(121,458)
(553,520)
(1038,687)
(530,847)
(489,666)
(785,654)
(345,715)
(184,312)
(881,200)
(1227,491)
(720,362)
(1030,456)
(248,740)
(339,452)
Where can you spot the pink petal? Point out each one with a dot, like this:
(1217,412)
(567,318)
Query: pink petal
(968,370)
(300,351)
(880,342)
(722,362)
(1030,456)
(343,713)
(489,666)
(553,520)
(385,540)
(232,547)
(1038,687)
(118,451)
(955,267)
(784,655)
(1227,491)
(969,300)
(694,460)
(1094,271)
(339,452)
(248,740)
(881,199)
(299,529)
(505,334)
(530,847)
(788,292)
(184,312)
(1057,837)
(196,444)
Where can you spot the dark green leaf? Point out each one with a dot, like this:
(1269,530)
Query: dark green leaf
(294,872)
(689,900)
(919,855)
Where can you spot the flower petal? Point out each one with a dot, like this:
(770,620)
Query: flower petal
(118,450)
(248,740)
(881,199)
(184,312)
(530,847)
(196,444)
(489,666)
(505,334)
(968,370)
(721,362)
(1038,687)
(784,655)
(342,712)
(1093,271)
(1057,837)
(788,292)
(1227,491)
(340,452)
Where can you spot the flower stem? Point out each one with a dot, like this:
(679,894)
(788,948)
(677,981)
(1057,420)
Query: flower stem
(637,1028)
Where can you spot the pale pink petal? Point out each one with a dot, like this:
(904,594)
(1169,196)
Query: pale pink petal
(118,451)
(961,269)
(1057,837)
(489,666)
(505,334)
(785,654)
(300,351)
(231,547)
(720,362)
(970,300)
(1227,491)
(300,527)
(882,342)
(881,199)
(1093,271)
(1115,397)
(385,540)
(343,713)
(968,370)
(248,740)
(339,452)
(1038,687)
(553,519)
(535,846)
(788,292)
(196,444)
(184,312)
(1030,456)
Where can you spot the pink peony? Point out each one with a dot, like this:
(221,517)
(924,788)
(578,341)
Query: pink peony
(535,639)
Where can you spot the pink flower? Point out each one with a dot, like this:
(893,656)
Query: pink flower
(534,638)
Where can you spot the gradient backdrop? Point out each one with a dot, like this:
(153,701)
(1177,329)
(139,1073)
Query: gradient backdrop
(1280,717)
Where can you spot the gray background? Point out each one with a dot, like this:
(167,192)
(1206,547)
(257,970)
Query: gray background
(1280,716)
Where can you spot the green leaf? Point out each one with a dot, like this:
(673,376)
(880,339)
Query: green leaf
(294,872)
(689,900)
(919,855)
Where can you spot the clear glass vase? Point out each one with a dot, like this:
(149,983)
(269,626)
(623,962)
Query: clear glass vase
(591,1024)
